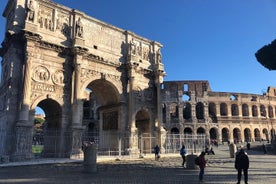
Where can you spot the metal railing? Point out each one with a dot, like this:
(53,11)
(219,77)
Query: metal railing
(59,144)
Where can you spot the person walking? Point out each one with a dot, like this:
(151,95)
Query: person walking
(242,164)
(264,149)
(183,155)
(157,152)
(202,165)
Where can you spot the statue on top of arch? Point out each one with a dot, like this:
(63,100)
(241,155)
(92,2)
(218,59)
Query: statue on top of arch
(79,28)
(30,11)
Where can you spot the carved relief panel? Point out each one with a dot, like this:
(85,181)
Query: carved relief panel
(54,20)
(45,18)
(49,81)
(63,24)
(141,50)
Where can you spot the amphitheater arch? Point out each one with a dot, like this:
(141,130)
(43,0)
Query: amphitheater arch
(272,133)
(257,134)
(213,112)
(200,130)
(174,130)
(263,110)
(265,134)
(223,109)
(245,110)
(234,110)
(270,112)
(213,133)
(199,110)
(237,135)
(225,134)
(188,131)
(247,135)
(187,111)
(254,111)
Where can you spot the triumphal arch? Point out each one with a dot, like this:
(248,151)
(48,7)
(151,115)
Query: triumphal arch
(63,61)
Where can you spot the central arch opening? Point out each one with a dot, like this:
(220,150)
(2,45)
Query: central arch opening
(101,116)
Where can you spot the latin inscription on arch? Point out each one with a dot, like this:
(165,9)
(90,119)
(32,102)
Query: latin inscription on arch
(43,87)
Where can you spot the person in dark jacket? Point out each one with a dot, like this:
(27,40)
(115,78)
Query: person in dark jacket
(242,164)
(264,149)
(157,152)
(202,165)
(183,155)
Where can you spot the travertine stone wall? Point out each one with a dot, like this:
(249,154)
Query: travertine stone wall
(221,112)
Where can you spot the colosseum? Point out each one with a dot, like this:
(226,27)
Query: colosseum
(191,107)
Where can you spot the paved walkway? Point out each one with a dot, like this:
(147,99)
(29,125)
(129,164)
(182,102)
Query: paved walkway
(220,170)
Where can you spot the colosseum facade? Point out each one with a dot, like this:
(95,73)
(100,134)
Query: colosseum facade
(191,107)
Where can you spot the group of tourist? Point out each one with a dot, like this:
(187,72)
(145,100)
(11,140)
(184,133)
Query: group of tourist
(241,161)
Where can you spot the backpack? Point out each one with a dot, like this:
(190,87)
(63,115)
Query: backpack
(197,161)
(182,152)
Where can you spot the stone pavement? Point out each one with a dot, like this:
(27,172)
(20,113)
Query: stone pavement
(220,170)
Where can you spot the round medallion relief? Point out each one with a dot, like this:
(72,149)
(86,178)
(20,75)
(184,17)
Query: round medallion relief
(41,74)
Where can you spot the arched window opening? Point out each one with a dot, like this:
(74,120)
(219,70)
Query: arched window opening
(257,134)
(245,111)
(174,131)
(263,111)
(223,109)
(225,135)
(234,110)
(213,112)
(270,112)
(254,111)
(199,110)
(187,111)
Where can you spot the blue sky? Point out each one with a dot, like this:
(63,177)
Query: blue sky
(214,40)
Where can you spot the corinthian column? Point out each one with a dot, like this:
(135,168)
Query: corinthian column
(77,111)
(23,149)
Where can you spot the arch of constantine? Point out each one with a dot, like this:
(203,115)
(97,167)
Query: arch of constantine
(62,60)
(97,82)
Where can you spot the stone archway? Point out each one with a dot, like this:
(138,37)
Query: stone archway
(188,131)
(265,134)
(257,134)
(174,131)
(142,123)
(225,135)
(53,138)
(200,131)
(247,135)
(101,112)
(213,134)
(237,135)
